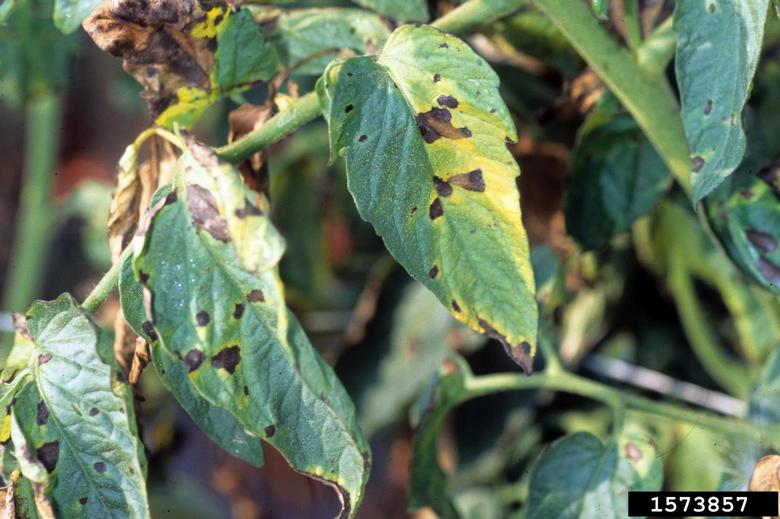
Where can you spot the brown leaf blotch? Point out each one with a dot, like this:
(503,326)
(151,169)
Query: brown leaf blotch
(448,101)
(249,209)
(437,123)
(436,209)
(48,454)
(227,359)
(471,181)
(442,187)
(256,296)
(698,163)
(202,318)
(193,359)
(205,213)
(148,329)
(42,415)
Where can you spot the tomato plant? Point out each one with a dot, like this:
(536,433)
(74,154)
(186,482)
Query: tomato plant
(655,309)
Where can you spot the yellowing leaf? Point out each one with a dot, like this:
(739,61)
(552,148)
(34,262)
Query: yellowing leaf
(424,131)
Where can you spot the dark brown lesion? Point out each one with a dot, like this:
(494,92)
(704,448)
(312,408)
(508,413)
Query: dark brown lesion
(471,181)
(437,123)
(48,454)
(436,209)
(249,209)
(193,359)
(205,212)
(256,296)
(442,187)
(455,305)
(769,270)
(238,310)
(697,163)
(447,100)
(433,272)
(227,359)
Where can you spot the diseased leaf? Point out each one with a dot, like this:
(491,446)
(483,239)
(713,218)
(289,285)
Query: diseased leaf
(68,14)
(301,34)
(617,176)
(423,334)
(215,306)
(745,215)
(217,423)
(73,430)
(718,46)
(579,476)
(423,131)
(185,57)
(399,10)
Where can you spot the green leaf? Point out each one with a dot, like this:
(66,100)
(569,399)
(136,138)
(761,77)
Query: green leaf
(763,405)
(617,176)
(68,14)
(399,10)
(600,9)
(208,263)
(6,8)
(74,428)
(224,429)
(422,335)
(243,55)
(423,132)
(579,476)
(718,46)
(300,34)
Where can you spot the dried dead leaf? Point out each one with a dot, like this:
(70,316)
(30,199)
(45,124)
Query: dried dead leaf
(766,476)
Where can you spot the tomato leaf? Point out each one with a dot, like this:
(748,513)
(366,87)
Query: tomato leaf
(718,46)
(68,14)
(578,474)
(207,259)
(73,429)
(300,35)
(423,130)
(243,55)
(399,10)
(617,176)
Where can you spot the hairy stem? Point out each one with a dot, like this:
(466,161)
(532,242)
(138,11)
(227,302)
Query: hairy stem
(33,229)
(106,285)
(304,110)
(474,14)
(648,98)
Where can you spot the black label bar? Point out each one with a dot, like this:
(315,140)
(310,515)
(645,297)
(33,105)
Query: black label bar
(706,504)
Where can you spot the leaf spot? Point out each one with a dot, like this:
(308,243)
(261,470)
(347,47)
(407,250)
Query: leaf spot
(249,209)
(433,272)
(238,310)
(94,411)
(698,163)
(436,78)
(348,109)
(435,210)
(455,305)
(205,213)
(442,187)
(708,107)
(711,8)
(193,359)
(202,318)
(471,181)
(448,101)
(363,138)
(227,359)
(48,454)
(633,452)
(270,430)
(44,358)
(83,501)
(100,467)
(256,296)
(42,415)
(148,329)
(436,123)
(769,270)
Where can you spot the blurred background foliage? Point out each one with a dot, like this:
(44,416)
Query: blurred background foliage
(628,278)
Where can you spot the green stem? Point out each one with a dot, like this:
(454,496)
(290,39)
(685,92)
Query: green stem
(475,13)
(723,369)
(304,110)
(571,383)
(34,227)
(631,24)
(649,99)
(106,285)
